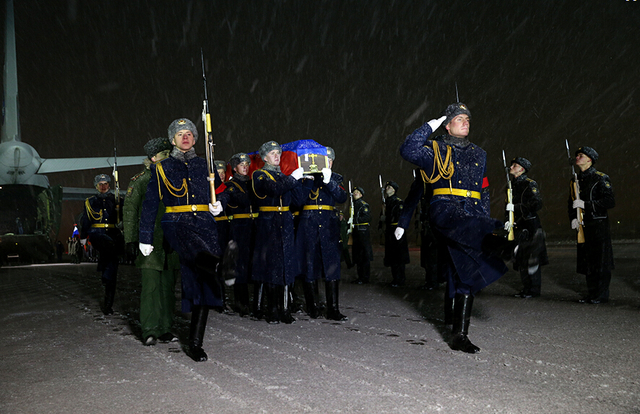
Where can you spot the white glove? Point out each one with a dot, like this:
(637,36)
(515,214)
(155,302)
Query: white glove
(398,233)
(575,224)
(215,208)
(230,282)
(350,221)
(510,207)
(578,204)
(326,175)
(297,174)
(507,226)
(435,123)
(146,249)
(83,241)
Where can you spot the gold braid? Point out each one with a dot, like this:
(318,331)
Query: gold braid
(445,169)
(315,194)
(172,190)
(95,215)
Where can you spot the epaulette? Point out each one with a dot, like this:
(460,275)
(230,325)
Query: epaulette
(601,174)
(266,172)
(135,177)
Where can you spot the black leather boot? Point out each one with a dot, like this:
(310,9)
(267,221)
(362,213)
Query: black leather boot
(448,309)
(241,298)
(273,299)
(199,315)
(461,320)
(310,300)
(109,296)
(285,297)
(333,307)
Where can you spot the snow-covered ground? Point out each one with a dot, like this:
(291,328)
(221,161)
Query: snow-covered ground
(59,354)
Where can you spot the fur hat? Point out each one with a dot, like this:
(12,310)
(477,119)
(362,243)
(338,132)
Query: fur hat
(220,165)
(523,162)
(454,110)
(267,147)
(359,189)
(180,124)
(100,178)
(157,145)
(331,154)
(238,158)
(589,152)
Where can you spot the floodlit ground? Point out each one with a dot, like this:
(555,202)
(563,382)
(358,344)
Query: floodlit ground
(59,354)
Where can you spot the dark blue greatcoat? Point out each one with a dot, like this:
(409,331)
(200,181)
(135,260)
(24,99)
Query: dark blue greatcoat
(460,222)
(189,233)
(318,232)
(595,255)
(242,226)
(361,249)
(108,241)
(527,201)
(396,252)
(274,258)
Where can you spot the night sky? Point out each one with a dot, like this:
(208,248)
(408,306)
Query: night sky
(358,76)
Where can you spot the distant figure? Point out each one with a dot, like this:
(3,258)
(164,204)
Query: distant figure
(595,255)
(361,249)
(527,201)
(59,250)
(100,217)
(19,228)
(396,249)
(160,269)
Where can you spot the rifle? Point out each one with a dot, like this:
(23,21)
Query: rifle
(116,181)
(511,235)
(351,210)
(576,193)
(209,144)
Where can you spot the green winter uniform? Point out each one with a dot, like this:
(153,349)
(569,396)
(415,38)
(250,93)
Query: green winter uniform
(159,269)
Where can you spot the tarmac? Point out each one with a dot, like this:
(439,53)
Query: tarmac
(60,354)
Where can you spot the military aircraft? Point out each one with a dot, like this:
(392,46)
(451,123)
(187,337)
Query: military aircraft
(30,209)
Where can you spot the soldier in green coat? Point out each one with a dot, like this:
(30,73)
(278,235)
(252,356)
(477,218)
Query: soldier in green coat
(160,268)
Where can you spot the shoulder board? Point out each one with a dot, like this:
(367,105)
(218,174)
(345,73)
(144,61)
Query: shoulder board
(601,174)
(266,172)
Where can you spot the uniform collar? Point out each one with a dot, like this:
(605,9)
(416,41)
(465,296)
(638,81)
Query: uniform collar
(183,156)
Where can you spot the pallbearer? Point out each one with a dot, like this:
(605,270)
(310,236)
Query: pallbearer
(181,183)
(274,260)
(318,238)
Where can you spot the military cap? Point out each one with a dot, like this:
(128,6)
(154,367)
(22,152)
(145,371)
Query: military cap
(100,178)
(220,165)
(267,147)
(180,124)
(454,110)
(359,189)
(392,184)
(157,145)
(523,162)
(589,152)
(331,154)
(238,158)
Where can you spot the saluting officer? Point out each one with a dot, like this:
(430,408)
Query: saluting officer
(159,269)
(101,215)
(242,228)
(361,248)
(527,201)
(274,261)
(181,183)
(459,212)
(396,250)
(318,238)
(595,255)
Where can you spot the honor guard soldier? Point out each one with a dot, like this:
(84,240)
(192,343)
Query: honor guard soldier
(274,261)
(242,228)
(459,213)
(100,219)
(595,255)
(318,238)
(527,201)
(159,269)
(396,250)
(361,251)
(180,182)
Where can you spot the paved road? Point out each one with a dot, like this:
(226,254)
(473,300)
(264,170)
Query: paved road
(59,354)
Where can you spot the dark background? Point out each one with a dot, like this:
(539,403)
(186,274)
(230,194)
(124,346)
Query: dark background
(354,75)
